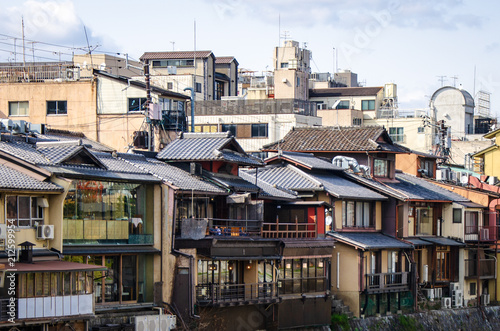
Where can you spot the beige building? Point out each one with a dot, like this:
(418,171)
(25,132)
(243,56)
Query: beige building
(107,108)
(291,71)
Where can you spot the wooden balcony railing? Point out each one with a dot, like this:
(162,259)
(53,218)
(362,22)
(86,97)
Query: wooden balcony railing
(216,294)
(4,309)
(289,230)
(481,233)
(487,268)
(386,282)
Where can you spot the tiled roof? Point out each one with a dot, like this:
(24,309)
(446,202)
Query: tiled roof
(77,171)
(370,240)
(307,160)
(11,179)
(235,183)
(174,175)
(346,189)
(288,177)
(224,59)
(24,151)
(61,153)
(268,191)
(118,164)
(53,135)
(207,147)
(345,91)
(175,55)
(334,139)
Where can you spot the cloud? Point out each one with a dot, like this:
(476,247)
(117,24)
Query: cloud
(492,47)
(346,14)
(45,22)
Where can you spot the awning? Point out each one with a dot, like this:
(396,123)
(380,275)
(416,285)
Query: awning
(247,258)
(53,266)
(442,241)
(418,242)
(108,249)
(370,240)
(470,204)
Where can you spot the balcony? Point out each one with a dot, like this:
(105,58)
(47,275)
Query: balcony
(487,268)
(236,294)
(39,72)
(303,285)
(198,228)
(289,230)
(116,231)
(388,282)
(481,233)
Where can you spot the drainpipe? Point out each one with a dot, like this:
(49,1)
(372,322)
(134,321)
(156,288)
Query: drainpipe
(192,106)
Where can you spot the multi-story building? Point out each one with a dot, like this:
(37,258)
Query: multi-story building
(104,107)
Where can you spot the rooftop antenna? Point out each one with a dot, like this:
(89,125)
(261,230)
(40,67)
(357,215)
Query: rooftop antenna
(442,79)
(279,30)
(24,50)
(454,80)
(88,46)
(173,45)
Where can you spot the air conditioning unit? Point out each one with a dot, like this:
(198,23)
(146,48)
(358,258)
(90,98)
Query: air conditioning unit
(45,232)
(172,70)
(429,293)
(484,234)
(167,322)
(454,287)
(72,74)
(425,276)
(19,126)
(3,231)
(153,323)
(438,292)
(141,323)
(443,174)
(485,299)
(458,299)
(446,302)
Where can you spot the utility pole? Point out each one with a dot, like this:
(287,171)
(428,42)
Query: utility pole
(442,79)
(148,103)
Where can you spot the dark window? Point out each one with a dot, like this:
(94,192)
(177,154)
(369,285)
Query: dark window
(259,130)
(136,104)
(471,222)
(284,64)
(397,134)
(356,121)
(197,87)
(298,81)
(421,129)
(57,108)
(357,214)
(174,63)
(23,211)
(380,168)
(170,85)
(457,215)
(472,288)
(343,105)
(368,105)
(229,127)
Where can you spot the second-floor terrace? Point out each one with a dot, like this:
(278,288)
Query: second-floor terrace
(39,72)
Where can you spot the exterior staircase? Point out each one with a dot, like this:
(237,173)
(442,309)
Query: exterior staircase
(338,307)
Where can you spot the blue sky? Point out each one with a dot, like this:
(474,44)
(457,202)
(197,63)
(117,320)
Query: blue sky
(406,42)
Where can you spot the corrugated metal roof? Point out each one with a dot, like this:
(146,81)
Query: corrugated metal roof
(370,240)
(11,179)
(175,55)
(334,139)
(235,183)
(442,241)
(346,189)
(288,177)
(307,160)
(345,91)
(267,190)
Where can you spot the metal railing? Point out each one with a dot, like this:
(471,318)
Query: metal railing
(39,72)
(213,294)
(4,309)
(481,233)
(387,281)
(253,107)
(303,285)
(487,268)
(289,230)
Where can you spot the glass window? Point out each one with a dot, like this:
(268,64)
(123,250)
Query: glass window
(344,104)
(129,277)
(368,105)
(357,214)
(397,134)
(23,211)
(471,222)
(57,107)
(197,87)
(457,215)
(19,108)
(380,168)
(38,284)
(421,129)
(284,65)
(136,104)
(229,127)
(424,221)
(259,130)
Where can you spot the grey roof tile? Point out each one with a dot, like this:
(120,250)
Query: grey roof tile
(232,182)
(288,177)
(11,179)
(61,153)
(25,151)
(174,175)
(370,240)
(268,190)
(308,160)
(77,171)
(346,189)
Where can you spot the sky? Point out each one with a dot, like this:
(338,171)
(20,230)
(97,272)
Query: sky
(419,45)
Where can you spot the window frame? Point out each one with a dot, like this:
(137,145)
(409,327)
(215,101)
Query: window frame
(33,220)
(18,103)
(376,173)
(141,106)
(367,104)
(58,112)
(197,87)
(233,128)
(342,104)
(260,130)
(358,221)
(457,215)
